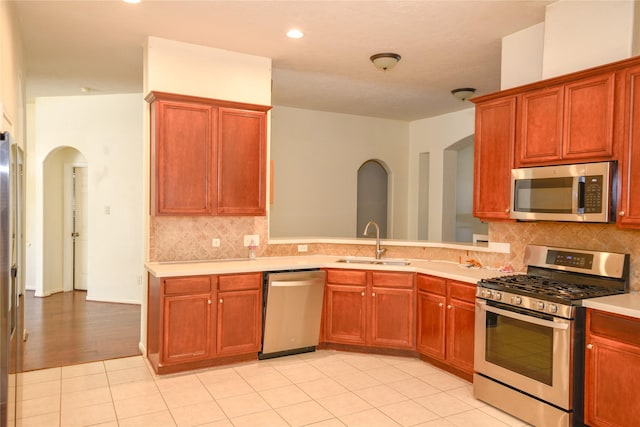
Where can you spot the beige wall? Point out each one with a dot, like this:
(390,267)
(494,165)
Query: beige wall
(11,78)
(317,156)
(106,130)
(584,34)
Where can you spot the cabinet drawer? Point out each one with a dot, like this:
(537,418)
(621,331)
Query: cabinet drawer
(346,277)
(462,291)
(432,284)
(614,326)
(392,280)
(238,282)
(187,285)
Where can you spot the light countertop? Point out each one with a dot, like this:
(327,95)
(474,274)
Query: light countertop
(625,304)
(446,269)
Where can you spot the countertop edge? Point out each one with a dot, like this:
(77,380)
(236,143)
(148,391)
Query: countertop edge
(445,269)
(624,304)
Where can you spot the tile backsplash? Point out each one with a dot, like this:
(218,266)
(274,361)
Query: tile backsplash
(190,238)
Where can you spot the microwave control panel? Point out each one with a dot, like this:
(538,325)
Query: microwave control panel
(593,194)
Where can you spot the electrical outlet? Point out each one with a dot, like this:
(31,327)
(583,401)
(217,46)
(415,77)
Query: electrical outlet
(248,238)
(302,248)
(215,243)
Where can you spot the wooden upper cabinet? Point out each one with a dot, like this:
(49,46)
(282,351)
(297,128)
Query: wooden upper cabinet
(208,157)
(182,156)
(629,164)
(494,143)
(589,118)
(566,123)
(242,161)
(539,136)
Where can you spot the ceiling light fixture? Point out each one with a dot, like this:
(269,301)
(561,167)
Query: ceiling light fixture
(385,61)
(463,93)
(295,34)
(131,1)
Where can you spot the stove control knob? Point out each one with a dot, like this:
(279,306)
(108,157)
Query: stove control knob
(497,295)
(553,308)
(516,300)
(540,305)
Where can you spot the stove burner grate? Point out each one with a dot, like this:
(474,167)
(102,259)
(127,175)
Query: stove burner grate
(541,287)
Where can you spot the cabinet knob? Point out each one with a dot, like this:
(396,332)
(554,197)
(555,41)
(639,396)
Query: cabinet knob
(220,301)
(209,301)
(449,307)
(362,293)
(373,294)
(589,346)
(440,304)
(621,213)
(506,210)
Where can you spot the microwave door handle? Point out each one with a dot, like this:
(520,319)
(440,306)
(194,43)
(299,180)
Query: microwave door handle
(579,191)
(525,318)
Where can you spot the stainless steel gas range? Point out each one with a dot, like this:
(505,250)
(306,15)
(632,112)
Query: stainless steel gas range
(529,332)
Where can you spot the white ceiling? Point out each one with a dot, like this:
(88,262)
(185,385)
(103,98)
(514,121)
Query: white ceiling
(444,45)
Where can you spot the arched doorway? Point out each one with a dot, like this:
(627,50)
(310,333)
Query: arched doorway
(65,202)
(373,184)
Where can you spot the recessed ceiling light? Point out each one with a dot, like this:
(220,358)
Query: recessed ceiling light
(132,1)
(295,34)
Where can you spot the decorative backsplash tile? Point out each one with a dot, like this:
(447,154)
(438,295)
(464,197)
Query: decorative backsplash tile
(189,238)
(598,237)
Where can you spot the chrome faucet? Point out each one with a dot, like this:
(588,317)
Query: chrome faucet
(379,250)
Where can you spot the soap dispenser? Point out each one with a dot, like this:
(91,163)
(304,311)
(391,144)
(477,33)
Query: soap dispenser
(252,250)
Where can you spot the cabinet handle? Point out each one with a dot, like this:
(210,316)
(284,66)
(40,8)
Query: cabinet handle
(621,213)
(373,294)
(589,346)
(440,304)
(449,307)
(220,301)
(362,293)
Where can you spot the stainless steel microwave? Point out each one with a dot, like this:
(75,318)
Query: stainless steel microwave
(579,192)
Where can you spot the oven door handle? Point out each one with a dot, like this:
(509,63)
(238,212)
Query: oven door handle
(523,317)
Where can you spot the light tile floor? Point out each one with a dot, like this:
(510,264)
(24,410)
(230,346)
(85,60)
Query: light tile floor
(322,389)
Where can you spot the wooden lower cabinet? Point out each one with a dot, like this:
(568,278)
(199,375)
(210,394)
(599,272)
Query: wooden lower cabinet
(370,308)
(239,314)
(195,321)
(612,370)
(446,315)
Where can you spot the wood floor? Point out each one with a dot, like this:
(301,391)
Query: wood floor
(66,329)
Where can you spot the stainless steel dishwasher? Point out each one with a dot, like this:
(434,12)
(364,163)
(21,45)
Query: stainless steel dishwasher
(292,312)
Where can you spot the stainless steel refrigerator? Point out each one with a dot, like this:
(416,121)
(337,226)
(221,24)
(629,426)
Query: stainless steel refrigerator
(10,292)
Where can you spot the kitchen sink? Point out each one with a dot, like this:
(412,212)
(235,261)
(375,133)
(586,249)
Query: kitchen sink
(375,261)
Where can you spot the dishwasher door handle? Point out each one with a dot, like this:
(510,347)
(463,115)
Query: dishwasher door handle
(293,283)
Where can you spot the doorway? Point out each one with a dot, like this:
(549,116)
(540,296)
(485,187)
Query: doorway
(373,190)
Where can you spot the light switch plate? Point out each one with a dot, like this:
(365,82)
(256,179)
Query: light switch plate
(248,238)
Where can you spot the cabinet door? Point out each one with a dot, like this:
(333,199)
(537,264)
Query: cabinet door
(431,325)
(239,322)
(242,159)
(345,314)
(629,174)
(539,137)
(181,158)
(612,366)
(392,318)
(187,328)
(494,142)
(588,118)
(460,336)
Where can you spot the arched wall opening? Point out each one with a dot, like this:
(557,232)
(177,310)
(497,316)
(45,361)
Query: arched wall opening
(57,240)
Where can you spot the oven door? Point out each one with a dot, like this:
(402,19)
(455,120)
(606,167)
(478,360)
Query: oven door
(524,350)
